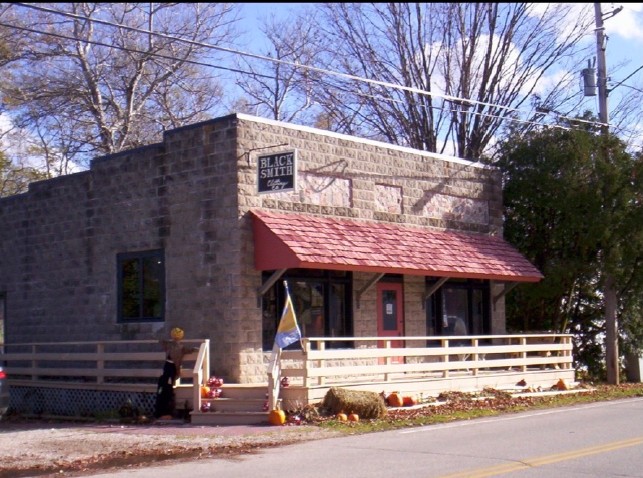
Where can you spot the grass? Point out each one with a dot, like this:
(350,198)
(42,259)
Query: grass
(463,406)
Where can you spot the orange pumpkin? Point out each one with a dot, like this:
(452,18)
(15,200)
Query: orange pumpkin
(177,333)
(204,391)
(342,417)
(277,417)
(353,417)
(395,400)
(409,401)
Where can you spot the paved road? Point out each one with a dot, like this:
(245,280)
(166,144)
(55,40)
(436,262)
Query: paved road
(596,440)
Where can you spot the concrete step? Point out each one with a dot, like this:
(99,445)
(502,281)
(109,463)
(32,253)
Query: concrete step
(228,418)
(244,391)
(239,404)
(224,404)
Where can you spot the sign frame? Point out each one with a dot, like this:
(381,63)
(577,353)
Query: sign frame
(277,172)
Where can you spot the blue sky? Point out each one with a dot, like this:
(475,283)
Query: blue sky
(624,30)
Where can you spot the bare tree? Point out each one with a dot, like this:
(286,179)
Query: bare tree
(98,78)
(463,68)
(280,89)
(15,176)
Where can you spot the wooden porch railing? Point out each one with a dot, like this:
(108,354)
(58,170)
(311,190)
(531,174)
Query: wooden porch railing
(136,365)
(375,360)
(132,365)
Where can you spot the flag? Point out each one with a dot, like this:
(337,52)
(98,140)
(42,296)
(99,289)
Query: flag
(288,331)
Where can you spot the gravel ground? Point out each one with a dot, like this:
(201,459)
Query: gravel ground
(45,448)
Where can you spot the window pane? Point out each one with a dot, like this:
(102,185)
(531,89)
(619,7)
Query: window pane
(271,318)
(389,310)
(131,300)
(477,311)
(152,276)
(308,299)
(336,312)
(454,311)
(465,303)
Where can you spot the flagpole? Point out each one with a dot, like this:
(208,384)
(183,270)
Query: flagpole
(273,377)
(288,333)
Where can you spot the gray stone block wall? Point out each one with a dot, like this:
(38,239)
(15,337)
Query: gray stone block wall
(363,167)
(190,195)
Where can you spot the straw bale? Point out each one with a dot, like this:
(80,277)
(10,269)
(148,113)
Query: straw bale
(363,403)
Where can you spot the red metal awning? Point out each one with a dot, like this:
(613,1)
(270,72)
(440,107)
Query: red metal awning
(285,241)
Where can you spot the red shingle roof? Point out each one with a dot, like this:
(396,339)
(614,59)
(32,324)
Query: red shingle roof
(285,241)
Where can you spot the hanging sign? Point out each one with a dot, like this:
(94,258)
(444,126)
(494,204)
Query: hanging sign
(277,172)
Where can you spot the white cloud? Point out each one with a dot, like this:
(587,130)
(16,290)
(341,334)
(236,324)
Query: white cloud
(570,10)
(627,24)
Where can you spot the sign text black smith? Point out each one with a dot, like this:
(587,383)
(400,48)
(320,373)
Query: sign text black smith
(276,172)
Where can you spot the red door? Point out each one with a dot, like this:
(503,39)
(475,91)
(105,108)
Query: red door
(390,314)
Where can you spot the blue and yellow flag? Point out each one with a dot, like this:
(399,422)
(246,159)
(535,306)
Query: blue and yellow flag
(288,331)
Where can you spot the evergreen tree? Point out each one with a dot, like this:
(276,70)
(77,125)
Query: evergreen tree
(573,206)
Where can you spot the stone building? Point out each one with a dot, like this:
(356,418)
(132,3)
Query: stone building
(201,230)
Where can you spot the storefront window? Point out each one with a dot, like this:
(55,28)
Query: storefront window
(322,305)
(459,307)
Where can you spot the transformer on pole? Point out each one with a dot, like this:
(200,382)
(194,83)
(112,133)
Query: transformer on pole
(589,79)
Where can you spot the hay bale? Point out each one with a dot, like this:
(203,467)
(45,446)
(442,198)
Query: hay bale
(365,404)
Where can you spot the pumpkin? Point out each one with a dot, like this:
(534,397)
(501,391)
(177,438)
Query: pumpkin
(177,333)
(353,417)
(277,417)
(409,401)
(395,400)
(342,417)
(204,391)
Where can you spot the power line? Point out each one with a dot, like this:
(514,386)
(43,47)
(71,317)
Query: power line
(131,50)
(94,42)
(445,97)
(489,115)
(285,62)
(626,78)
(633,88)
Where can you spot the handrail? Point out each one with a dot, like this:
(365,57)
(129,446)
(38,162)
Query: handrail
(101,363)
(375,358)
(200,372)
(114,364)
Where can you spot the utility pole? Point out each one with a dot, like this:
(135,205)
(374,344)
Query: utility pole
(609,290)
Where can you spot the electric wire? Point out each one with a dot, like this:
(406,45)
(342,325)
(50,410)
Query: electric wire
(478,113)
(285,62)
(235,70)
(626,78)
(295,65)
(132,50)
